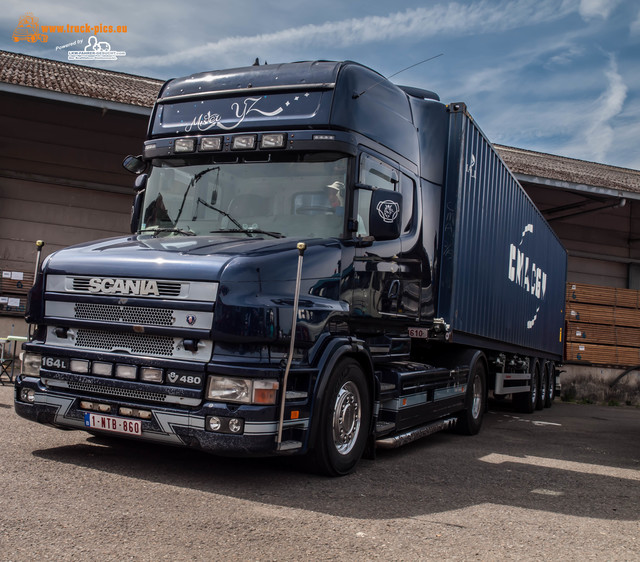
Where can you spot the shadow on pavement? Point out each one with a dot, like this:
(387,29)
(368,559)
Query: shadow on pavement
(444,472)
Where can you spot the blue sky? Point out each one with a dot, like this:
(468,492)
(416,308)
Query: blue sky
(556,76)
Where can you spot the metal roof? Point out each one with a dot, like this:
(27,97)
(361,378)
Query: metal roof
(127,92)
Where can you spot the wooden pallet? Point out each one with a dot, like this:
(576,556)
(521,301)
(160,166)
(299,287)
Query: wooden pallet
(603,325)
(581,332)
(603,354)
(598,314)
(609,296)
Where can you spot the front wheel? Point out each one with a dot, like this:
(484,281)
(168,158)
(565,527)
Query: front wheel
(345,417)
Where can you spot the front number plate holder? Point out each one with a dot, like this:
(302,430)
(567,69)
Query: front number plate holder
(123,426)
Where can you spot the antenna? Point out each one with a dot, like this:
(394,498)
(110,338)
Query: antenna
(356,96)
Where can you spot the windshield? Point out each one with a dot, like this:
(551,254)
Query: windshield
(302,199)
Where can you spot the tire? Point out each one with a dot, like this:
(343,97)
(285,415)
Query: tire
(470,420)
(551,388)
(525,402)
(345,418)
(544,385)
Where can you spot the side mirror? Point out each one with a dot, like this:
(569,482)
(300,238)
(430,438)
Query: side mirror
(134,164)
(136,211)
(385,214)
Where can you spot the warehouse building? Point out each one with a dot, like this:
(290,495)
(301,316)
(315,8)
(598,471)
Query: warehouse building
(65,128)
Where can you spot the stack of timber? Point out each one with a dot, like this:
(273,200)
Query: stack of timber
(603,325)
(14,287)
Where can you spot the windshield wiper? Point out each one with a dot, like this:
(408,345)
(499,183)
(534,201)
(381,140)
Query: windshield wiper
(193,181)
(248,231)
(156,231)
(214,208)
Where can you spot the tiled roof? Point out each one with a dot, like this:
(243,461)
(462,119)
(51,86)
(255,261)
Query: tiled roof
(67,78)
(56,76)
(560,168)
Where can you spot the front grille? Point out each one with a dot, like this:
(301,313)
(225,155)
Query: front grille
(137,344)
(128,314)
(125,392)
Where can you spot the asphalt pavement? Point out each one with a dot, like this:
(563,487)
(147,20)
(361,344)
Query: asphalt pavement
(560,484)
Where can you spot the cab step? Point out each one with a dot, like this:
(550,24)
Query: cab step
(289,446)
(394,441)
(384,427)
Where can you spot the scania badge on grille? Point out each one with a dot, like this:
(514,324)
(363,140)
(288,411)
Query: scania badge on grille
(110,286)
(191,319)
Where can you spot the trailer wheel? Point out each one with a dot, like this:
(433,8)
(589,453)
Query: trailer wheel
(544,385)
(525,402)
(344,421)
(470,420)
(551,388)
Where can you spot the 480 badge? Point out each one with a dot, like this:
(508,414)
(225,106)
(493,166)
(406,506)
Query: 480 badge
(184,379)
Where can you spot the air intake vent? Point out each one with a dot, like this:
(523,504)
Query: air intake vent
(128,393)
(124,314)
(137,344)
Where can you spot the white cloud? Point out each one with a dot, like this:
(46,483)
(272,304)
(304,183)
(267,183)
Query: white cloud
(590,9)
(600,133)
(635,26)
(446,19)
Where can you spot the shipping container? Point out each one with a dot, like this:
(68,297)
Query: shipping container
(499,255)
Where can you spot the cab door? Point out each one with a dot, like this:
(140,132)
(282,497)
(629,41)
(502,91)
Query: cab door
(386,283)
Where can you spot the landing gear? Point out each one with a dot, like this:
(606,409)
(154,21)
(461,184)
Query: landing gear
(526,402)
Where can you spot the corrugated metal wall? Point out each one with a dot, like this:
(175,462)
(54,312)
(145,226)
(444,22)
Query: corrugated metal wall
(501,256)
(61,179)
(609,236)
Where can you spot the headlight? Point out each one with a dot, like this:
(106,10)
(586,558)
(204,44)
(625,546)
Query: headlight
(242,391)
(31,364)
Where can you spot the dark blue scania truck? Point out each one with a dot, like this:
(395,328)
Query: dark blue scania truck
(321,263)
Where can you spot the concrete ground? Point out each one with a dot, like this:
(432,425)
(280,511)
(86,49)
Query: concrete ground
(560,484)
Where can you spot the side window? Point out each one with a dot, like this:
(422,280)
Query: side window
(378,174)
(408,190)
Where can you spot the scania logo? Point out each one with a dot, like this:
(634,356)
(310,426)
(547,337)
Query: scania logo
(109,286)
(388,210)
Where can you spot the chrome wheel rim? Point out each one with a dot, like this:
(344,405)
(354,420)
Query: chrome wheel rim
(347,415)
